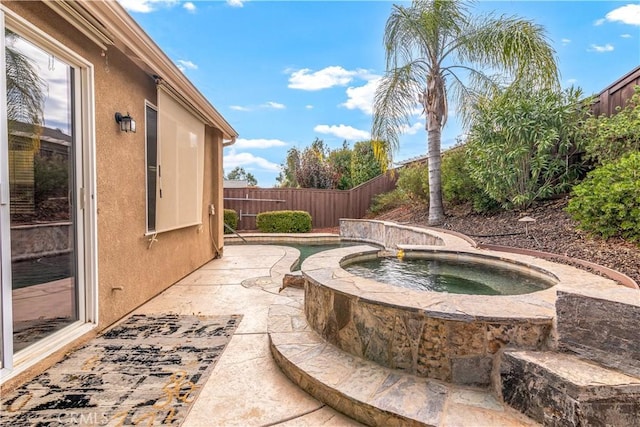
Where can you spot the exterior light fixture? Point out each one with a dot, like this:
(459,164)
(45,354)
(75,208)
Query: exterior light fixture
(127,124)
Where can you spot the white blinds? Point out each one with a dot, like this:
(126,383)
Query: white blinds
(180,165)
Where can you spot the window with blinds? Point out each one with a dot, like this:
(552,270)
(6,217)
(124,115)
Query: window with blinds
(179,170)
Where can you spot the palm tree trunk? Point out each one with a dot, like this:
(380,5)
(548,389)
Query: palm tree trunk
(436,208)
(435,104)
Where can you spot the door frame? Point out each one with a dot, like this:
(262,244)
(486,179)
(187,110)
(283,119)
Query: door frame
(85,204)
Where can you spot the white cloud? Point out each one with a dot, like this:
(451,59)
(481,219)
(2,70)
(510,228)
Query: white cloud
(189,6)
(598,48)
(234,159)
(599,22)
(236,3)
(572,81)
(145,6)
(309,107)
(258,143)
(565,41)
(361,97)
(413,129)
(335,75)
(343,131)
(274,105)
(628,14)
(271,105)
(626,36)
(184,65)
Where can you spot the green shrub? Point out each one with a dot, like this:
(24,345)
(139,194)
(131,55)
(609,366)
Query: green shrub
(483,203)
(386,201)
(51,177)
(231,219)
(523,144)
(284,222)
(607,202)
(413,181)
(610,138)
(457,185)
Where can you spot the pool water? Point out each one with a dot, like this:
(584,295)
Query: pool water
(456,277)
(307,250)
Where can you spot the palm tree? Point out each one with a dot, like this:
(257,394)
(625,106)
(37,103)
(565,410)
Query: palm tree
(436,47)
(25,88)
(25,105)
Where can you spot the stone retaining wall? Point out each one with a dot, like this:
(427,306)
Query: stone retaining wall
(387,234)
(33,241)
(602,330)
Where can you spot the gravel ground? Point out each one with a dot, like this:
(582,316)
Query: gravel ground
(553,231)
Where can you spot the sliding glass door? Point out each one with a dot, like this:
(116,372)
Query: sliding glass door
(43,218)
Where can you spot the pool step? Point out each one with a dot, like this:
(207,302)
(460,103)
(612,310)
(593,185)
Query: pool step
(560,389)
(373,394)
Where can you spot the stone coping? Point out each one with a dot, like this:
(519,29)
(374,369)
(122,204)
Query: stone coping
(325,269)
(274,238)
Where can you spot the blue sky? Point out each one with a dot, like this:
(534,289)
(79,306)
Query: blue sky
(285,72)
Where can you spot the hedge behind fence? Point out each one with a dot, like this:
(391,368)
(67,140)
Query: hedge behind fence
(231,219)
(284,222)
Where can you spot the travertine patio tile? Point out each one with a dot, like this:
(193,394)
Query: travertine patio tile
(247,388)
(222,277)
(324,416)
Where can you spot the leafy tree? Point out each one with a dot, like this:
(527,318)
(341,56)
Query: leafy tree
(340,164)
(287,176)
(238,173)
(314,171)
(523,144)
(612,137)
(318,166)
(432,47)
(364,165)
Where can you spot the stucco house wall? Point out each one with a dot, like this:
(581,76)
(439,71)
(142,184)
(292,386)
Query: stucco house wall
(131,267)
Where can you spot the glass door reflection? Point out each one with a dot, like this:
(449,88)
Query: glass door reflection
(41,180)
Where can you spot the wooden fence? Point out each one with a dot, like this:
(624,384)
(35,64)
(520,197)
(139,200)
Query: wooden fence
(617,94)
(326,207)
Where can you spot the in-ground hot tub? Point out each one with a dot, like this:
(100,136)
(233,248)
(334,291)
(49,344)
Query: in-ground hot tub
(446,336)
(438,272)
(450,337)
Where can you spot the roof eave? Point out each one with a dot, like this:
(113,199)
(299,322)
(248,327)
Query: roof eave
(128,37)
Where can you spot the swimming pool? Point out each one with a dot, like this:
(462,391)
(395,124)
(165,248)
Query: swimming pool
(308,249)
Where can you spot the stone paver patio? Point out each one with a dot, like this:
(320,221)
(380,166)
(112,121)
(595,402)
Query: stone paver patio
(246,387)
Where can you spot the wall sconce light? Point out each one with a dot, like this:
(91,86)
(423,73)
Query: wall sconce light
(127,124)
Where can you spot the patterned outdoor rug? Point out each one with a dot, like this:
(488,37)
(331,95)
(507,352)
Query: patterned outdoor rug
(146,371)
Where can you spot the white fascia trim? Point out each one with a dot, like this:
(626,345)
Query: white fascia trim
(82,23)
